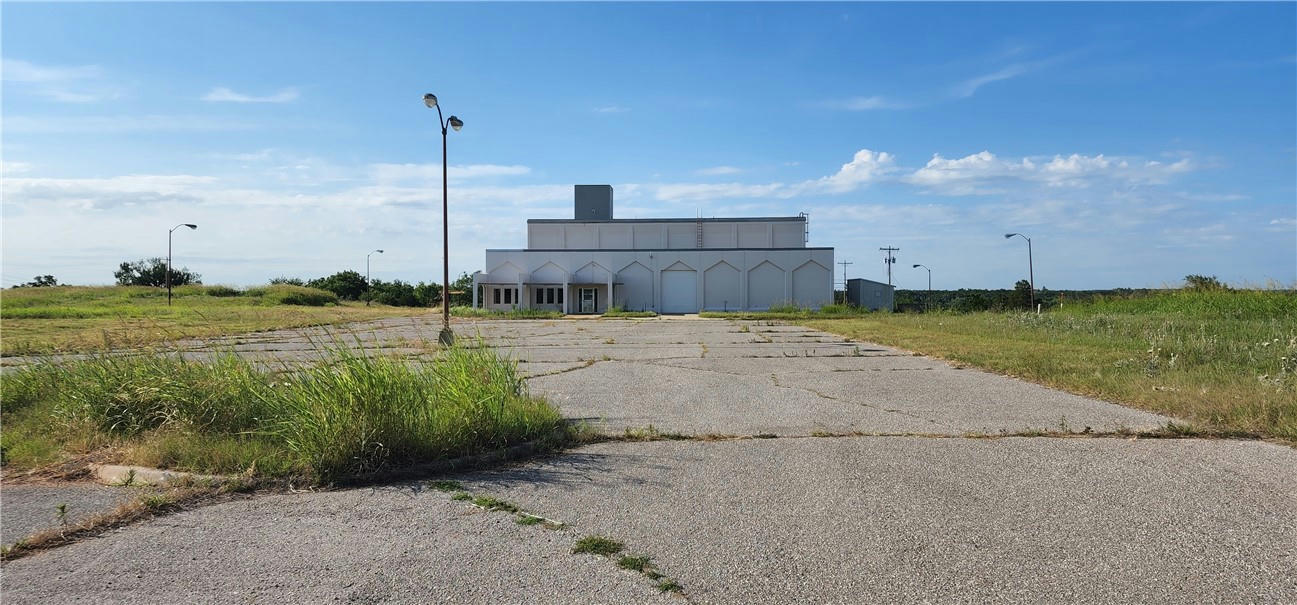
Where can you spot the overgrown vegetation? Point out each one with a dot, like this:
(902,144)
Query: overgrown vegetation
(466,311)
(345,416)
(1225,360)
(790,312)
(620,312)
(597,545)
(83,318)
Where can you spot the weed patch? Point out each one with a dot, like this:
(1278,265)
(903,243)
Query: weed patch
(597,545)
(633,563)
(493,503)
(346,416)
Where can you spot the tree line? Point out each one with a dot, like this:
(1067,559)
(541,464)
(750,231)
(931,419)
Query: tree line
(347,285)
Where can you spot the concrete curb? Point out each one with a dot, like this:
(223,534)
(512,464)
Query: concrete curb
(115,474)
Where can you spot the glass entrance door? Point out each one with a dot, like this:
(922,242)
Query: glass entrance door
(587,300)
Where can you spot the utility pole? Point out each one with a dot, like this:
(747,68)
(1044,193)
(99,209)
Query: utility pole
(890,260)
(844,277)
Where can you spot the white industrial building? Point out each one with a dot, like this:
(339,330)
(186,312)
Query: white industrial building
(582,264)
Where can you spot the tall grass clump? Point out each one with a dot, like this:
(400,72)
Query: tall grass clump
(361,414)
(344,416)
(620,312)
(462,311)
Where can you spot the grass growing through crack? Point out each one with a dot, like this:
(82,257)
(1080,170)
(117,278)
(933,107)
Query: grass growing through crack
(597,545)
(344,416)
(493,503)
(633,563)
(1225,361)
(669,585)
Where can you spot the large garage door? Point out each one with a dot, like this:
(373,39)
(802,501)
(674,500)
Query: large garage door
(679,291)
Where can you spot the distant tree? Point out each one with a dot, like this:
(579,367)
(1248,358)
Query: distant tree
(1203,283)
(395,293)
(1021,294)
(427,295)
(40,281)
(287,281)
(348,285)
(153,272)
(461,291)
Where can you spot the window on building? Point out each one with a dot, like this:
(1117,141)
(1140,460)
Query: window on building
(540,296)
(508,296)
(549,296)
(560,296)
(495,296)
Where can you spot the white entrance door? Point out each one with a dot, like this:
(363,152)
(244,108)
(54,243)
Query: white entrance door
(679,291)
(587,300)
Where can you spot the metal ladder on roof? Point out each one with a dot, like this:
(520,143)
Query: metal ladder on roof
(700,230)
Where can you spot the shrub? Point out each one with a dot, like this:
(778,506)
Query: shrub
(287,281)
(297,295)
(221,291)
(346,284)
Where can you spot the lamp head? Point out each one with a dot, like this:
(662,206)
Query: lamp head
(430,100)
(379,251)
(916,266)
(191,225)
(1009,235)
(456,123)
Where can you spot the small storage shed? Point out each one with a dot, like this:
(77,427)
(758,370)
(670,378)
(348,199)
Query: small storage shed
(872,295)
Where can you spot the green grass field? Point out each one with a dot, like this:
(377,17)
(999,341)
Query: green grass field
(1225,361)
(78,318)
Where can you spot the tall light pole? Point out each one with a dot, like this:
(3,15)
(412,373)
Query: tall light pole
(367,275)
(1031,271)
(929,300)
(169,232)
(446,337)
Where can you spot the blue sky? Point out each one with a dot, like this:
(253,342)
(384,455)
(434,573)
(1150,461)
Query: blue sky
(1135,143)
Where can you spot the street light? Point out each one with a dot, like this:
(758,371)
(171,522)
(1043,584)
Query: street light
(1031,271)
(929,277)
(928,301)
(446,337)
(367,275)
(169,232)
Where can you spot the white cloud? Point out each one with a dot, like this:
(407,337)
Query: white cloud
(969,87)
(423,172)
(126,123)
(863,103)
(611,109)
(679,192)
(10,167)
(16,70)
(75,84)
(718,170)
(984,173)
(1282,224)
(865,167)
(222,94)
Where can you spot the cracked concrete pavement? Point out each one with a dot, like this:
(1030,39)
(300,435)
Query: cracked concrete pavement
(934,518)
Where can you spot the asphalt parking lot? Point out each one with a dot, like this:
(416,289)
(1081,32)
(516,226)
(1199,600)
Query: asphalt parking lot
(819,470)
